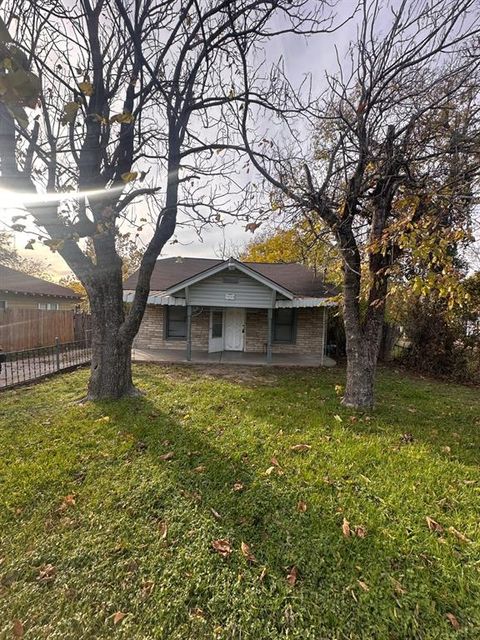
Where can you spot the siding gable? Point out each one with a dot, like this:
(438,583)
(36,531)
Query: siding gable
(231,289)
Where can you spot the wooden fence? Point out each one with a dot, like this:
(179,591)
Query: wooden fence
(32,328)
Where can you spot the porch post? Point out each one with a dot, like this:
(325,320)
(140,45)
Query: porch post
(189,332)
(269,335)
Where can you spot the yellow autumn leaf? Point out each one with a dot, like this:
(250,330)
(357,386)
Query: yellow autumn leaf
(86,88)
(69,112)
(123,118)
(129,176)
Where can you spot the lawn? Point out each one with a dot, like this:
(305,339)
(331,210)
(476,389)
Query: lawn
(126,520)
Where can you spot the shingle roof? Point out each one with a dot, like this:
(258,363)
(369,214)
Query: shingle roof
(13,281)
(297,278)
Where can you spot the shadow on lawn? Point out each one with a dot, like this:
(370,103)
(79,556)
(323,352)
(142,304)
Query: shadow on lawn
(265,516)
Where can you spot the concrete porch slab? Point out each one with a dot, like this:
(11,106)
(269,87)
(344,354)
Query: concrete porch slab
(231,357)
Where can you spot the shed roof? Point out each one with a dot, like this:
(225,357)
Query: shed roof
(13,281)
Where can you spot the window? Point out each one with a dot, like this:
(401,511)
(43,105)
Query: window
(48,306)
(3,305)
(176,324)
(284,325)
(217,324)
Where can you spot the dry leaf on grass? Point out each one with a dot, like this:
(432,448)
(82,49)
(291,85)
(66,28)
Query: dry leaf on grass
(246,552)
(146,589)
(215,514)
(163,529)
(275,462)
(200,469)
(118,617)
(363,585)
(346,528)
(360,531)
(46,573)
(433,525)
(262,575)
(238,486)
(68,501)
(459,534)
(301,506)
(292,576)
(222,547)
(18,630)
(197,613)
(167,456)
(453,621)
(269,471)
(300,447)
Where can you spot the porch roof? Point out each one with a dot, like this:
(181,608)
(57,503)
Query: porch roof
(161,298)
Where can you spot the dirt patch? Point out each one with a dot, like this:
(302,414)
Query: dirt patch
(246,375)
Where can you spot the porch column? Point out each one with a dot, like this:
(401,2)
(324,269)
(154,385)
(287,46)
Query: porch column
(189,332)
(269,335)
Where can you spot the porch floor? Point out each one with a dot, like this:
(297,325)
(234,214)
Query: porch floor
(231,357)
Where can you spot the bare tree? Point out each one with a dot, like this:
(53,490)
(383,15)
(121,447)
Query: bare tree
(395,151)
(134,104)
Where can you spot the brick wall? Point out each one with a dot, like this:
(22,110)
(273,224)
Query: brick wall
(150,335)
(309,337)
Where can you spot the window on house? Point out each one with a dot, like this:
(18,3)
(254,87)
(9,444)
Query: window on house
(217,324)
(284,325)
(176,324)
(48,306)
(3,305)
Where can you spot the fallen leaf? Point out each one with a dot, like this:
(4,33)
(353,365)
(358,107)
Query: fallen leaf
(360,531)
(246,552)
(269,471)
(200,469)
(238,486)
(262,575)
(118,617)
(292,576)
(275,462)
(197,613)
(433,525)
(146,589)
(363,585)
(459,534)
(215,514)
(103,419)
(46,573)
(18,630)
(300,447)
(453,621)
(301,506)
(163,529)
(346,528)
(167,456)
(222,547)
(398,586)
(446,450)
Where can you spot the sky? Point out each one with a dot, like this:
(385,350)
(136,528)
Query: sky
(301,56)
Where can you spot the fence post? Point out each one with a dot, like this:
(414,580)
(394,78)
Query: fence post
(57,353)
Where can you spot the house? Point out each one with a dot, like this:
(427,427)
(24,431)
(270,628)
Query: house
(219,306)
(21,291)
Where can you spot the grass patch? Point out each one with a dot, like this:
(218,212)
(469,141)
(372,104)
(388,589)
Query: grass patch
(96,522)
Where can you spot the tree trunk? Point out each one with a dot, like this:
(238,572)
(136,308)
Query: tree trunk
(361,368)
(111,368)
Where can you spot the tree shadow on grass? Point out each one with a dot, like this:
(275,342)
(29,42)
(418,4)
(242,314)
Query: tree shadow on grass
(331,567)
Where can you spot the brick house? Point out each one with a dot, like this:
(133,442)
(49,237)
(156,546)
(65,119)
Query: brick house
(207,305)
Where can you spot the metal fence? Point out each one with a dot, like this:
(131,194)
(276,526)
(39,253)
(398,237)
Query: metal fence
(19,367)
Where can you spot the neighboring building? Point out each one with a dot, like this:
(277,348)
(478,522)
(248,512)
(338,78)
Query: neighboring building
(226,305)
(21,291)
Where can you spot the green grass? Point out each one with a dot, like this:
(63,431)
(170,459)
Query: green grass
(109,551)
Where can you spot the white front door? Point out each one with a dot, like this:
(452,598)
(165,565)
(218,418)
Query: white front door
(216,331)
(234,329)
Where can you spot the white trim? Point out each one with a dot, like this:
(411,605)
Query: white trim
(305,302)
(223,266)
